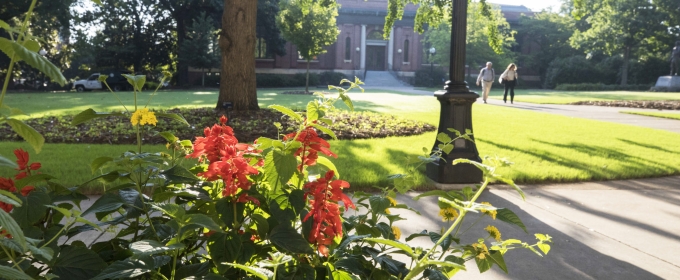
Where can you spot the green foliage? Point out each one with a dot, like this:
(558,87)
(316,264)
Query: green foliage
(481,46)
(199,49)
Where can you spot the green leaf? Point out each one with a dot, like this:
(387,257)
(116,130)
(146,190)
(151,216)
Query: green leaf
(11,273)
(443,137)
(9,198)
(39,62)
(168,136)
(11,226)
(347,101)
(33,208)
(506,215)
(201,220)
(146,248)
(287,238)
(396,244)
(497,258)
(329,165)
(45,252)
(180,175)
(91,114)
(6,47)
(124,269)
(136,81)
(433,274)
(279,168)
(75,263)
(28,133)
(313,111)
(379,203)
(31,180)
(342,275)
(32,45)
(261,273)
(172,210)
(325,130)
(7,163)
(286,111)
(108,202)
(173,117)
(483,264)
(99,162)
(544,247)
(5,26)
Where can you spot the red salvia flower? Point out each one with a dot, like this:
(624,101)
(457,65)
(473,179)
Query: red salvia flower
(7,184)
(311,145)
(325,194)
(24,167)
(226,161)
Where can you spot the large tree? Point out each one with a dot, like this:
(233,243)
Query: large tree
(550,32)
(310,26)
(479,51)
(199,49)
(134,34)
(619,27)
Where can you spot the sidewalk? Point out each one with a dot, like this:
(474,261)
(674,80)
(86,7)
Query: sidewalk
(620,230)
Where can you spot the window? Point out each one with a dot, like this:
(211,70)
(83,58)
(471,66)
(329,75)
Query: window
(375,35)
(348,48)
(261,49)
(406,52)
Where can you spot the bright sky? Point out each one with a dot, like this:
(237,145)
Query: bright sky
(534,5)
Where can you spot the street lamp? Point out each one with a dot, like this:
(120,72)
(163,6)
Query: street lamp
(432,52)
(456,111)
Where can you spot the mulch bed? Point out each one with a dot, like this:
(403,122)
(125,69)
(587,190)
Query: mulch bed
(660,105)
(247,125)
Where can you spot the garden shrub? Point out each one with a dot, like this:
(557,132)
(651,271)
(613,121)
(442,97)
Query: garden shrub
(601,87)
(331,78)
(426,78)
(574,69)
(282,80)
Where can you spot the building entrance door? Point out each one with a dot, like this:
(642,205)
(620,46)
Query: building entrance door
(375,58)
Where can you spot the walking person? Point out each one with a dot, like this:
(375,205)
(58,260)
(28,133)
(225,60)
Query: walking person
(486,76)
(509,80)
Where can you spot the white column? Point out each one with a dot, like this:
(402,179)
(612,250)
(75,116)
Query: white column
(363,47)
(390,50)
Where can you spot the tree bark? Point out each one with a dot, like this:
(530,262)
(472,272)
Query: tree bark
(237,43)
(624,67)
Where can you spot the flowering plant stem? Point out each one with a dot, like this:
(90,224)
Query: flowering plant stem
(422,263)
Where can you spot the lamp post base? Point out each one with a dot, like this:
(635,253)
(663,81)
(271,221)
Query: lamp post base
(456,112)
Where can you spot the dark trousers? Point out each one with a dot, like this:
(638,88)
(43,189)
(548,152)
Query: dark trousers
(509,85)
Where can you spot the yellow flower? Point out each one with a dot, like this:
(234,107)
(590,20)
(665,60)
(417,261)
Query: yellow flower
(448,214)
(493,231)
(397,232)
(143,116)
(480,250)
(392,201)
(491,213)
(387,211)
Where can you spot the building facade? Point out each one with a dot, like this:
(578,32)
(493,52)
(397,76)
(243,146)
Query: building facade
(360,45)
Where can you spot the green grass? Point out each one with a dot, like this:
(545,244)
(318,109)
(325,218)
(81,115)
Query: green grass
(542,96)
(544,147)
(673,116)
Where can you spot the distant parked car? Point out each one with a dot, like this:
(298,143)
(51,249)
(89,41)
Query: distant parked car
(115,80)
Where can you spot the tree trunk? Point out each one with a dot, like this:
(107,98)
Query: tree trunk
(237,42)
(624,67)
(307,80)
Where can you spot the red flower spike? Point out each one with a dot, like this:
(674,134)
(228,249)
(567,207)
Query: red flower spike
(7,184)
(311,145)
(22,158)
(26,190)
(327,224)
(35,166)
(225,157)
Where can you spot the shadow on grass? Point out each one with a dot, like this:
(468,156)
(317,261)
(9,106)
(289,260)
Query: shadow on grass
(569,258)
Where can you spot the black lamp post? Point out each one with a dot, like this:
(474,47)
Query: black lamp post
(456,110)
(432,52)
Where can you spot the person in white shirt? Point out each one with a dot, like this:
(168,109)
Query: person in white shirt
(486,76)
(509,80)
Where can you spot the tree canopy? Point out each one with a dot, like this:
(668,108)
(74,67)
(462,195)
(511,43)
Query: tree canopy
(310,25)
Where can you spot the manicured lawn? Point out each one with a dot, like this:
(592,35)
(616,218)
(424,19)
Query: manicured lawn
(545,148)
(675,116)
(542,96)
